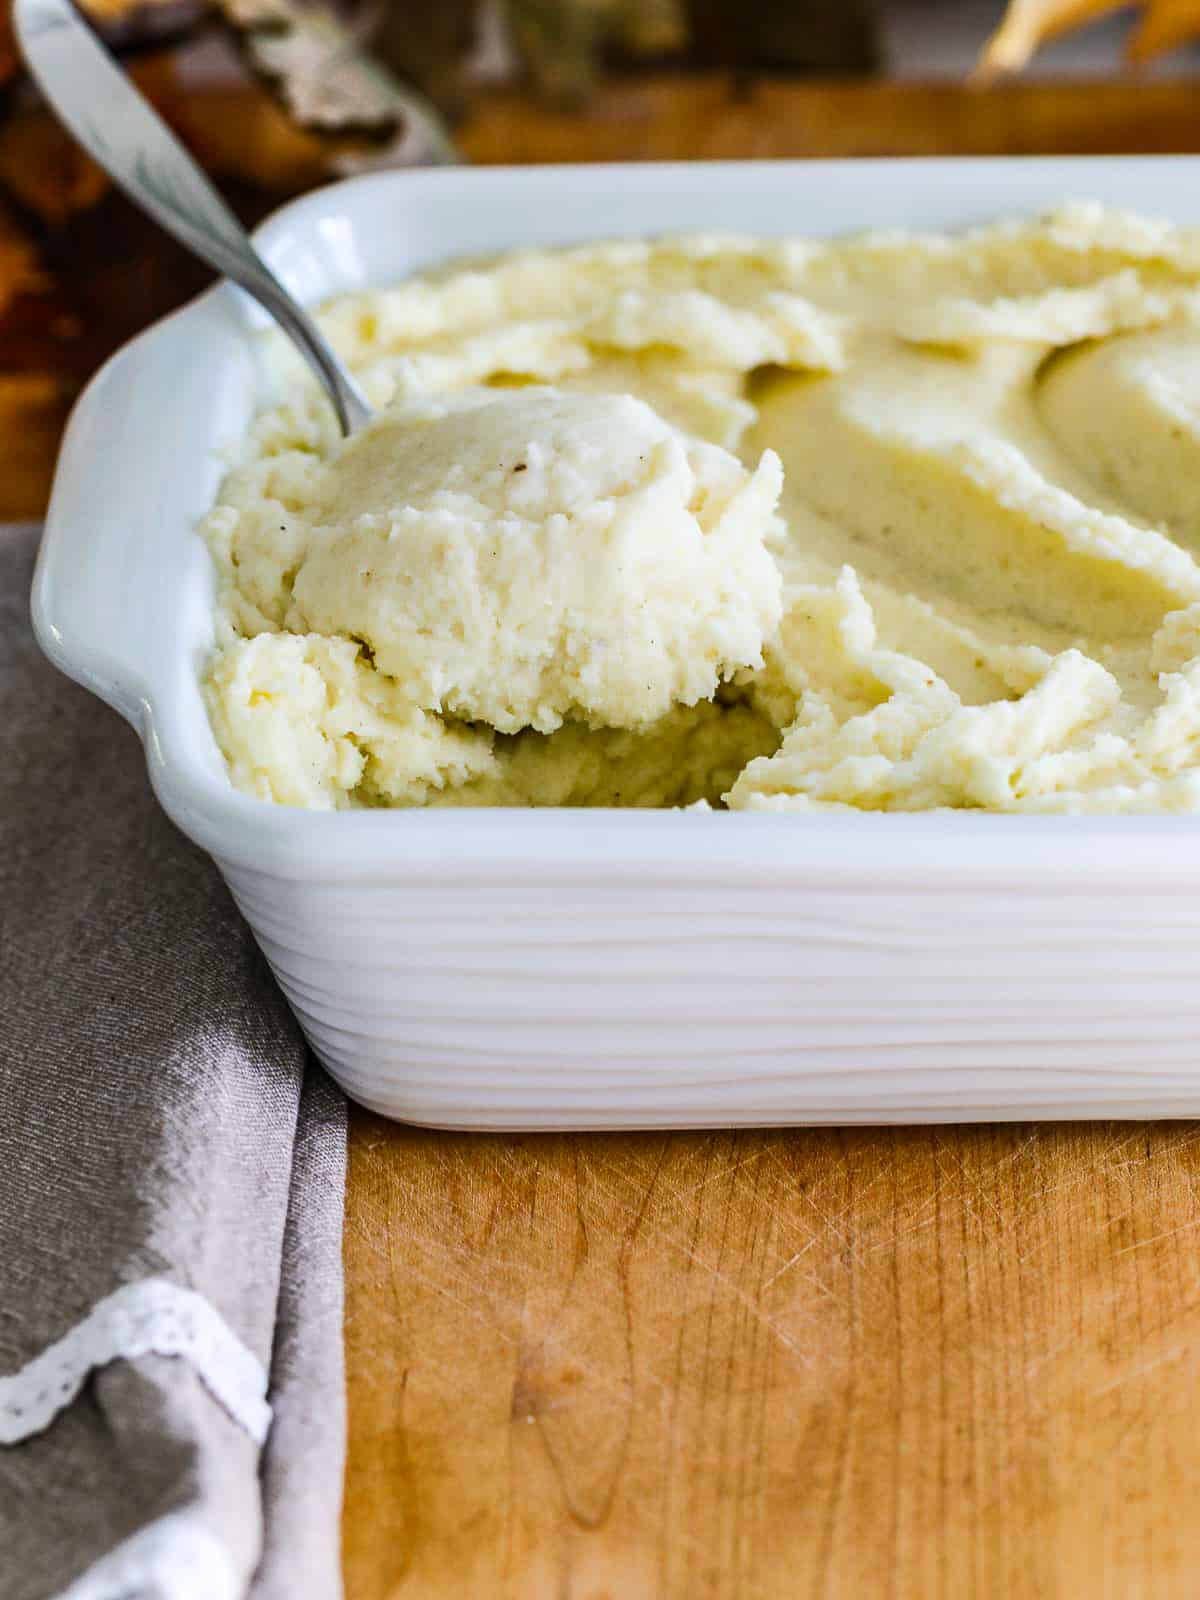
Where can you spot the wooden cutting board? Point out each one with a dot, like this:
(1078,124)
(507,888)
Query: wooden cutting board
(929,1362)
(935,1363)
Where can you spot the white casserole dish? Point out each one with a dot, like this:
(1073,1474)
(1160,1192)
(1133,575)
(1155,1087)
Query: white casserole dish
(570,969)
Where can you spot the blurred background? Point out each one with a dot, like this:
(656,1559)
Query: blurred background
(275,96)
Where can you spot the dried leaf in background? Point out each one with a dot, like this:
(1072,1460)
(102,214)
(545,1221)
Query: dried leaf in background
(563,46)
(1029,24)
(315,61)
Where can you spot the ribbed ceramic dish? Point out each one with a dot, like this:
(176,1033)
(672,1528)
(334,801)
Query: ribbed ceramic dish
(603,969)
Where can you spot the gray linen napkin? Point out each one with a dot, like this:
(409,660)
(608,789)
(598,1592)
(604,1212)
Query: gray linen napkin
(160,1125)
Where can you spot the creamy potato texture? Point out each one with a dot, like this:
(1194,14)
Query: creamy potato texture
(895,522)
(516,558)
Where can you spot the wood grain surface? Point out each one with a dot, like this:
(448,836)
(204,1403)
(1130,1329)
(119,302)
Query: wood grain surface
(929,1363)
(704,118)
(923,1362)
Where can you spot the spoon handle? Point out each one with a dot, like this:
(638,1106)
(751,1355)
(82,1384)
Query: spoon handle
(121,130)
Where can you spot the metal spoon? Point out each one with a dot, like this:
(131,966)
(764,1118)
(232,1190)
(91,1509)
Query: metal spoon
(120,129)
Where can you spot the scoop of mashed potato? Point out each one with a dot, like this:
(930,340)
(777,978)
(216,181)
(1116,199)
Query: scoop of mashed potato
(517,557)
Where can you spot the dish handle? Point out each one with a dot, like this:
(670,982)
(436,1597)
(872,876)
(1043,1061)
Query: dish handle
(106,601)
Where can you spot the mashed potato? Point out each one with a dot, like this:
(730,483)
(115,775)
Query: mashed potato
(559,570)
(517,558)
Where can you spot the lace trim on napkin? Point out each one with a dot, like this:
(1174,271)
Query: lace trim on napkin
(172,1559)
(153,1317)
